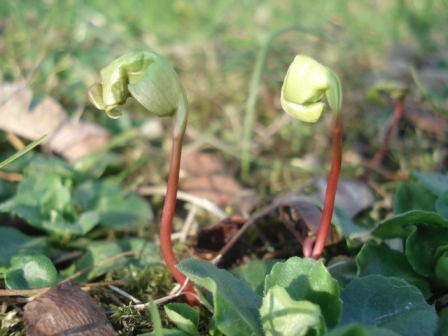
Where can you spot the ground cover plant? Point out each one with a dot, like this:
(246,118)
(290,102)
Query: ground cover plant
(100,218)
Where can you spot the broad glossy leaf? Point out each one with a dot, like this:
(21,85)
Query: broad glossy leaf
(184,317)
(29,269)
(436,182)
(382,260)
(412,196)
(422,244)
(12,240)
(253,273)
(401,225)
(236,306)
(282,315)
(309,280)
(342,269)
(390,303)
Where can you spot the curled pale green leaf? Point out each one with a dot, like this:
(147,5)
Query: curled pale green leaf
(305,85)
(147,77)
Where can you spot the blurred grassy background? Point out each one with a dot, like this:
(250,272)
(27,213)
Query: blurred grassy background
(58,47)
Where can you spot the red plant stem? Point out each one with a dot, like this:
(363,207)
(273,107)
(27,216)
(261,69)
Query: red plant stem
(330,194)
(166,224)
(398,112)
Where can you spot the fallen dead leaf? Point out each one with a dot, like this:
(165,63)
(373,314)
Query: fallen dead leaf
(71,139)
(302,219)
(427,121)
(205,178)
(66,310)
(211,239)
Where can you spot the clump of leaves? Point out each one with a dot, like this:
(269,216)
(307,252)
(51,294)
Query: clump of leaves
(384,291)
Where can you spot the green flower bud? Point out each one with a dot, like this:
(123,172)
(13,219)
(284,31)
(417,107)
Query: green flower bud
(306,83)
(147,77)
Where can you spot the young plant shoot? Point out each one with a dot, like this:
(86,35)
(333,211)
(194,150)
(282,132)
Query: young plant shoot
(150,80)
(306,83)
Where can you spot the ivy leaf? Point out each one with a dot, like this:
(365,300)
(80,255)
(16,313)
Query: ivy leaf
(307,279)
(236,306)
(282,315)
(382,260)
(413,196)
(390,303)
(184,317)
(28,270)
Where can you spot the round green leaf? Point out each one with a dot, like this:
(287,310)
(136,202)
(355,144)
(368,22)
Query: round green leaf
(343,270)
(360,330)
(436,182)
(309,280)
(390,303)
(421,246)
(184,316)
(443,322)
(12,240)
(441,270)
(401,225)
(282,315)
(413,196)
(236,306)
(254,273)
(97,252)
(382,260)
(29,269)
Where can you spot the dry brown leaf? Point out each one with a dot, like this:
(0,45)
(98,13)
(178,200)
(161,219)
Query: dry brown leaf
(71,139)
(302,219)
(428,122)
(66,310)
(205,179)
(211,239)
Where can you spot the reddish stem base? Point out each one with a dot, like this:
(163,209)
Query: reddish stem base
(330,194)
(167,223)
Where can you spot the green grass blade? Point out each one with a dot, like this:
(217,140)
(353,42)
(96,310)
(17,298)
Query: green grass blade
(23,151)
(155,316)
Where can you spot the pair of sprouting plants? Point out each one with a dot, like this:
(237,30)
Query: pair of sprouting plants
(150,79)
